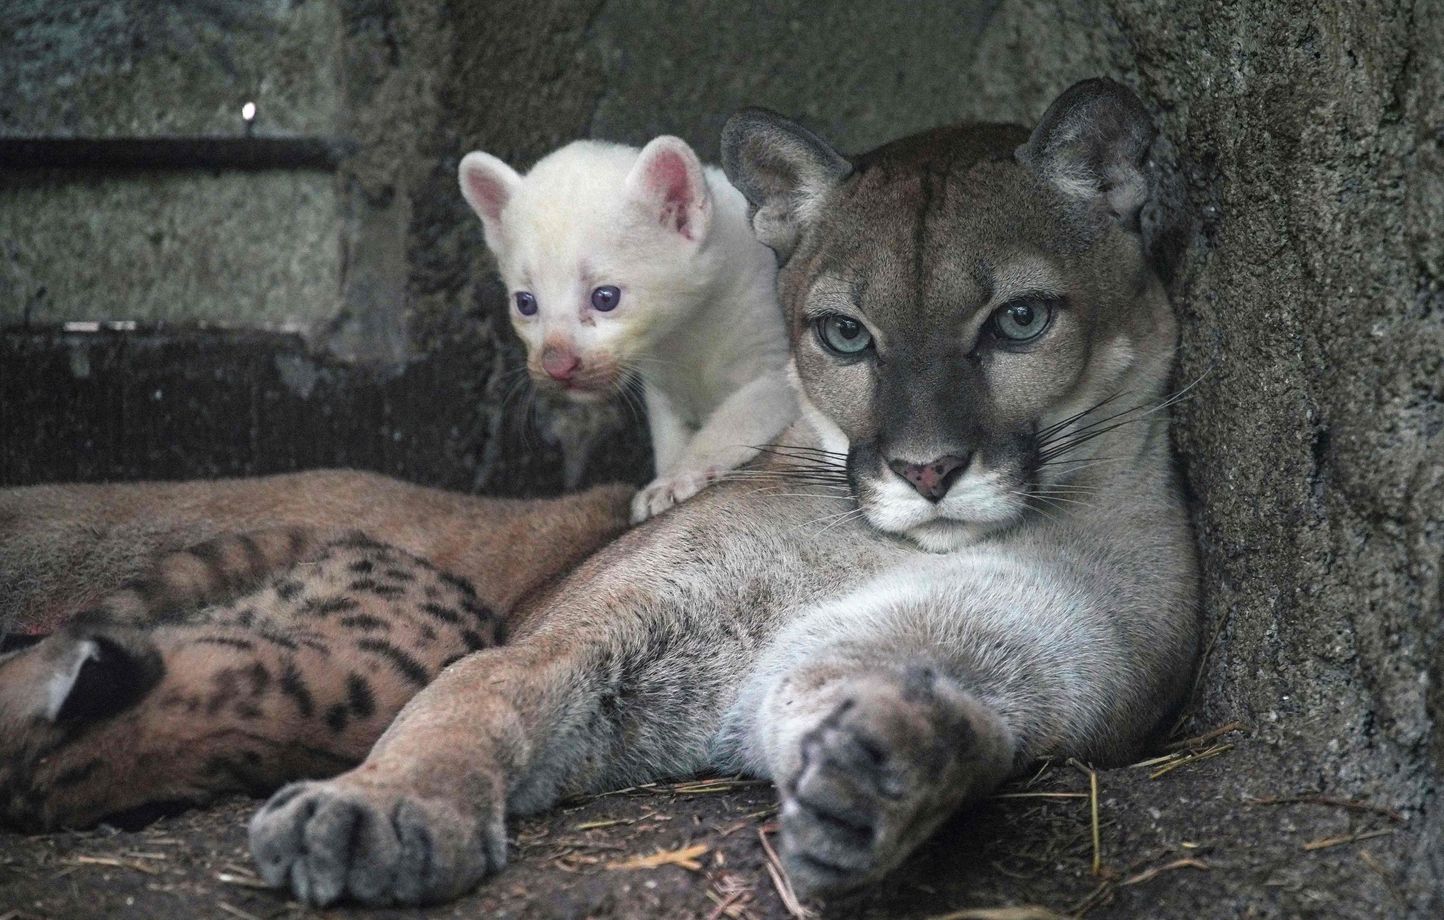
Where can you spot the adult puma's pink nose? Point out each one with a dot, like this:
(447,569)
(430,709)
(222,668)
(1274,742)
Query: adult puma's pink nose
(932,479)
(560,363)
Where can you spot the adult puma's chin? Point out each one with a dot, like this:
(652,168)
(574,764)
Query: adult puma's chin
(979,502)
(945,526)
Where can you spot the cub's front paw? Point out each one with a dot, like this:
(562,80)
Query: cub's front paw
(666,491)
(332,840)
(879,773)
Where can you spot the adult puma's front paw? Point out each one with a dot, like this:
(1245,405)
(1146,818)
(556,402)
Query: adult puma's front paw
(666,491)
(334,840)
(878,774)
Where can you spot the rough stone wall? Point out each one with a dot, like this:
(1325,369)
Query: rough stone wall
(1309,141)
(237,250)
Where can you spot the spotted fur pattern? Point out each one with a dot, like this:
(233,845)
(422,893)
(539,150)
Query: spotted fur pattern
(297,677)
(255,657)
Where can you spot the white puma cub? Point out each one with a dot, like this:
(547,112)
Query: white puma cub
(642,262)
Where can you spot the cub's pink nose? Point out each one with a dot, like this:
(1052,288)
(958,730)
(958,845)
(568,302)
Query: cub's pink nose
(560,363)
(932,479)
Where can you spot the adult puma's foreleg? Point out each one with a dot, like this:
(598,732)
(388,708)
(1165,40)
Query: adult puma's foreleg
(618,677)
(928,694)
(870,758)
(508,730)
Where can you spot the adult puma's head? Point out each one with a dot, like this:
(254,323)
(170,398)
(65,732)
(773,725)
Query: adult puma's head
(957,298)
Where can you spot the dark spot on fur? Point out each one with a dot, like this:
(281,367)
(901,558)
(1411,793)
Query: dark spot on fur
(225,686)
(460,584)
(445,614)
(294,686)
(428,635)
(296,541)
(362,566)
(286,588)
(209,553)
(228,641)
(321,607)
(315,645)
(399,574)
(247,711)
(473,640)
(405,665)
(259,677)
(364,621)
(255,559)
(276,638)
(479,610)
(336,717)
(373,586)
(358,540)
(359,696)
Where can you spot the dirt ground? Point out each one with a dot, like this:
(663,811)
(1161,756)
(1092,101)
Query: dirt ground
(1183,836)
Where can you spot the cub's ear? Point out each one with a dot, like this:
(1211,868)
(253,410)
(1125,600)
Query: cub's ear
(95,677)
(667,181)
(783,169)
(1090,145)
(488,184)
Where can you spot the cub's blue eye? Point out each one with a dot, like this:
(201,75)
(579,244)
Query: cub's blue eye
(606,297)
(1022,320)
(525,303)
(843,335)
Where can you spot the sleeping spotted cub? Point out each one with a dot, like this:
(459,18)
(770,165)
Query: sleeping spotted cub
(247,660)
(241,696)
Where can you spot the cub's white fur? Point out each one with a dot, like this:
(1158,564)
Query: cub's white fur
(695,315)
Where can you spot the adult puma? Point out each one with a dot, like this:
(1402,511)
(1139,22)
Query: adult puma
(970,552)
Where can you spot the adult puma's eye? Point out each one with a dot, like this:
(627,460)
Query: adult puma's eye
(525,303)
(843,335)
(1022,320)
(606,297)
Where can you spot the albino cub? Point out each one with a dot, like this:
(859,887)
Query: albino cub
(624,263)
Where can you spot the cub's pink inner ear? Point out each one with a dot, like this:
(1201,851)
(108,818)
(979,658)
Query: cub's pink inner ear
(673,185)
(487,184)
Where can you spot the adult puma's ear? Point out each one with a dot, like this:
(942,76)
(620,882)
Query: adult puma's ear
(668,183)
(488,184)
(97,677)
(783,169)
(1091,144)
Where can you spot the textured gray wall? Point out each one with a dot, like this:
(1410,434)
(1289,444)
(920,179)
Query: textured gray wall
(1309,141)
(237,250)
